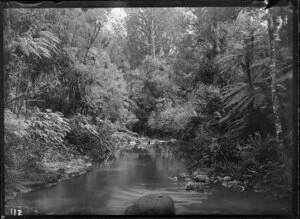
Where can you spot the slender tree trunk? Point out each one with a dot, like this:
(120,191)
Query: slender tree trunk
(273,31)
(152,35)
(73,37)
(273,38)
(91,39)
(217,38)
(249,58)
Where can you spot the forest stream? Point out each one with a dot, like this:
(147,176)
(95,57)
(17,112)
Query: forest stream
(111,188)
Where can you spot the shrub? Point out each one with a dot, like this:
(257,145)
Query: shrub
(49,128)
(88,138)
(174,120)
(19,147)
(260,161)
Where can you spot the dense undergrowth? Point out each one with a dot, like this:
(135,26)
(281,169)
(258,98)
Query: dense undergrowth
(256,162)
(48,139)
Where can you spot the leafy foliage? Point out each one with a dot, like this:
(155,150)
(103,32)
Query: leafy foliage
(260,162)
(49,127)
(18,146)
(173,120)
(89,138)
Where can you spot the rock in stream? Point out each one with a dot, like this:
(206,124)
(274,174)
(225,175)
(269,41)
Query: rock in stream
(153,204)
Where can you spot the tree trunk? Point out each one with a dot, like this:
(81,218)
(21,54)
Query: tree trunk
(73,43)
(273,31)
(273,38)
(152,35)
(249,59)
(91,39)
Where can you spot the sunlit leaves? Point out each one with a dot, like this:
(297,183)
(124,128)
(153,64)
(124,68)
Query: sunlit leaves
(172,119)
(49,127)
(40,47)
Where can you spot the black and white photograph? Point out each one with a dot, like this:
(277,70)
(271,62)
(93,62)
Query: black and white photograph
(149,110)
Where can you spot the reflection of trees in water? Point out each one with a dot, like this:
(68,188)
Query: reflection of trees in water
(164,151)
(167,162)
(159,159)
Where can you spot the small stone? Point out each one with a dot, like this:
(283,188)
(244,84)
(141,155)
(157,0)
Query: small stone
(183,175)
(195,173)
(246,182)
(227,178)
(190,186)
(225,184)
(174,178)
(234,182)
(132,143)
(220,178)
(201,178)
(238,187)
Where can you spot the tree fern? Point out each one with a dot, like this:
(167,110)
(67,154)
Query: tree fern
(41,46)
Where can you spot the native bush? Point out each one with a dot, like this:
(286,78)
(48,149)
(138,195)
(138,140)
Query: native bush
(18,145)
(49,128)
(93,139)
(259,161)
(172,120)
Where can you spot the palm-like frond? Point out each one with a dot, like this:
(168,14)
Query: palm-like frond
(285,71)
(239,99)
(40,47)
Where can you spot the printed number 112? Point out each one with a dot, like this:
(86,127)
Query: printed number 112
(17,212)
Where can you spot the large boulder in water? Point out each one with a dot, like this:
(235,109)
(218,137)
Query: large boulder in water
(153,204)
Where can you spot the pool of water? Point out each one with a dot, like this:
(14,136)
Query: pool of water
(110,189)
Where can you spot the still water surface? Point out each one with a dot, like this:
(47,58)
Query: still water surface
(110,189)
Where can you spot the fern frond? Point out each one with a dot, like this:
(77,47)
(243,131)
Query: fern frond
(49,36)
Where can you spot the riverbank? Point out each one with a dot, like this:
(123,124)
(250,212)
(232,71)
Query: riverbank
(44,174)
(200,179)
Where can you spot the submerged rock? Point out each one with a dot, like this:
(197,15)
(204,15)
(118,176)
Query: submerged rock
(153,204)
